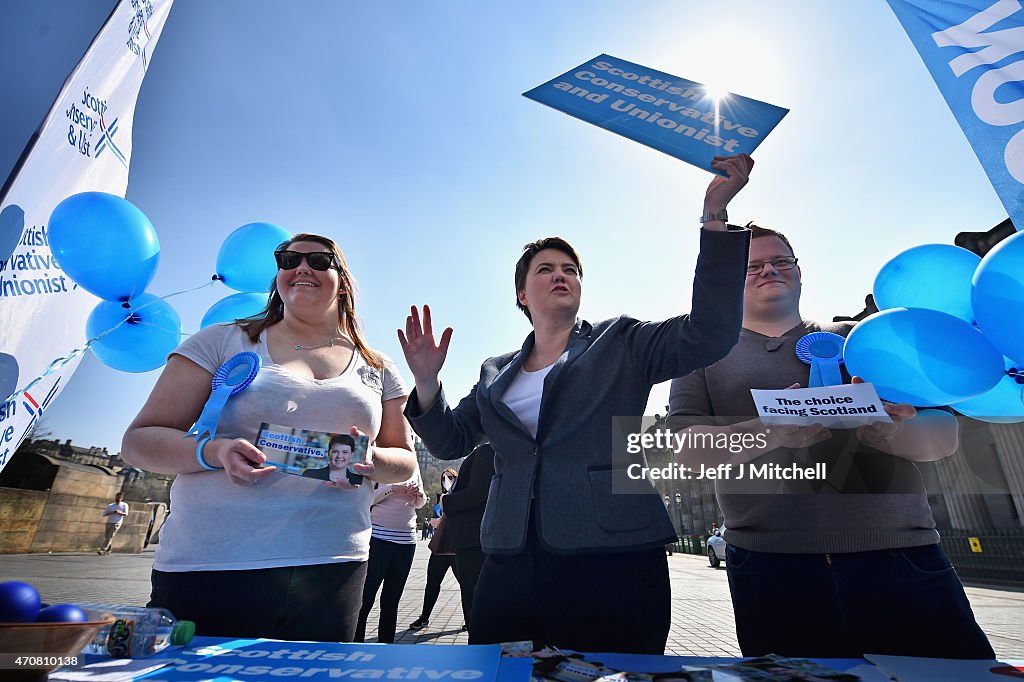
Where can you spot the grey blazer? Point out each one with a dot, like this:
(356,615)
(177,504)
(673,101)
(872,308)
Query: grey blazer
(606,371)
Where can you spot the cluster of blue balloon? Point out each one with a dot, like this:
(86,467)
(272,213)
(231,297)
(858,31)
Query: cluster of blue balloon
(949,331)
(108,247)
(246,264)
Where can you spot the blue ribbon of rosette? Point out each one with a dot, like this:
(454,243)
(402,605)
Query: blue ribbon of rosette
(823,351)
(233,377)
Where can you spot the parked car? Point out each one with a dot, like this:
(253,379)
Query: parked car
(716,548)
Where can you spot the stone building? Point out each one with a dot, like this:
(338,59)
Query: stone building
(982,486)
(53,495)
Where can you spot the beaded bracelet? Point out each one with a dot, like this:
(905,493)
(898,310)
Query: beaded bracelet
(199,454)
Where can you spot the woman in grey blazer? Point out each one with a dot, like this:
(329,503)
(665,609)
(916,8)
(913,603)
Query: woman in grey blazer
(569,563)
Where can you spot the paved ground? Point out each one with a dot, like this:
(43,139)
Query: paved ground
(702,622)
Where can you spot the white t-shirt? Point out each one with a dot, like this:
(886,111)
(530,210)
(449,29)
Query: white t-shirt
(121,507)
(523,397)
(287,520)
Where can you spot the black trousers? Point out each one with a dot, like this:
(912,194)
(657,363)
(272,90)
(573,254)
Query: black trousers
(319,602)
(902,602)
(594,602)
(437,566)
(390,563)
(468,564)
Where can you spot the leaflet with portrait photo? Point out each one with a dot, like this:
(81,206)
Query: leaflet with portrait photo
(312,454)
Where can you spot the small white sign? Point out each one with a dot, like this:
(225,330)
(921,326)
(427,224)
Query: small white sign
(846,406)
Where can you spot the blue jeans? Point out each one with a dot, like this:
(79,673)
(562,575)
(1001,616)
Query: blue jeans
(904,602)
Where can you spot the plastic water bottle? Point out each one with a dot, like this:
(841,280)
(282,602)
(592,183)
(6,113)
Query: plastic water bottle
(137,631)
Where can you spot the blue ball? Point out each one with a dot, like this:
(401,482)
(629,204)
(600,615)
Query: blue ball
(105,244)
(932,276)
(19,602)
(922,357)
(245,261)
(998,297)
(142,344)
(62,613)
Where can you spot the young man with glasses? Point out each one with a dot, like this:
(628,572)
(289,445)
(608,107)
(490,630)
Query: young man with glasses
(834,568)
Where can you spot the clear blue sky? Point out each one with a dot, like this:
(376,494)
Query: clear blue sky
(399,129)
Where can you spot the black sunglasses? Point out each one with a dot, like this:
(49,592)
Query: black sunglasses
(318,260)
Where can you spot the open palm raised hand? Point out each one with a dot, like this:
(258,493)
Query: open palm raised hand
(424,356)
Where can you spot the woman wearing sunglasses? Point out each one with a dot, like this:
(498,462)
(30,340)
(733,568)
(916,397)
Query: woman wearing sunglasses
(249,551)
(570,563)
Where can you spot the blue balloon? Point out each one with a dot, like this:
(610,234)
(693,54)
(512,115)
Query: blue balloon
(105,244)
(234,307)
(998,297)
(922,357)
(245,261)
(1004,404)
(932,276)
(142,344)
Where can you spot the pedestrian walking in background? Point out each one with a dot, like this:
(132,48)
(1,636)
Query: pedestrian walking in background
(115,515)
(439,563)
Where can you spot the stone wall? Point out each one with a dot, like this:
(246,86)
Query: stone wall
(20,512)
(68,518)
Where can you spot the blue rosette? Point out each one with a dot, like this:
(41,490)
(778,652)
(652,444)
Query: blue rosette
(233,377)
(823,351)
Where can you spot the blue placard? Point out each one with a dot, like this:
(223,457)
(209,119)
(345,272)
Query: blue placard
(257,659)
(973,49)
(515,669)
(666,112)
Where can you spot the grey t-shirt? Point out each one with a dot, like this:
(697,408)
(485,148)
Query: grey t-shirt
(286,520)
(809,518)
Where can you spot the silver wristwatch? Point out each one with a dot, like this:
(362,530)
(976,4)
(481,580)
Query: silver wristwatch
(722,215)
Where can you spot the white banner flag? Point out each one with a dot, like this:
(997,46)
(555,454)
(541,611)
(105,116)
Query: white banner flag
(84,144)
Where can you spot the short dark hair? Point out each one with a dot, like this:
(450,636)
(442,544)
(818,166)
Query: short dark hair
(532,249)
(344,439)
(756,231)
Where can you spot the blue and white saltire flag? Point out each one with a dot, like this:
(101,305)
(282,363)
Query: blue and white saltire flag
(974,50)
(84,144)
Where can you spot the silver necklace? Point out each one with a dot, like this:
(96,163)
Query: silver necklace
(329,343)
(545,366)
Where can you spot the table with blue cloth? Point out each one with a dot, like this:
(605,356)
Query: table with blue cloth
(224,660)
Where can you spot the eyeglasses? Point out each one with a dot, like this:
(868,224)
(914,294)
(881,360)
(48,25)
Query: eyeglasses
(318,260)
(781,263)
